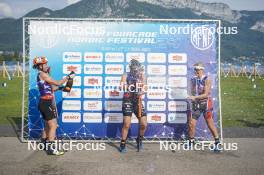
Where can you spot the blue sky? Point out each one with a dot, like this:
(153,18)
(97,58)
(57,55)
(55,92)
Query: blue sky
(18,8)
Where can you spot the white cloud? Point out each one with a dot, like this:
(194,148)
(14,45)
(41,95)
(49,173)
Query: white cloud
(69,2)
(5,10)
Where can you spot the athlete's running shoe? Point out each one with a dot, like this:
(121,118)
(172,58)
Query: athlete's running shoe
(139,144)
(189,144)
(217,147)
(55,152)
(52,150)
(122,148)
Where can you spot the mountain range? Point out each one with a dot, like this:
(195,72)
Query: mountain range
(250,24)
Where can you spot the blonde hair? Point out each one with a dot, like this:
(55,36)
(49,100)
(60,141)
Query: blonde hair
(199,66)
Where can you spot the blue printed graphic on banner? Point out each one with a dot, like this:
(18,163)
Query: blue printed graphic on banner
(99,53)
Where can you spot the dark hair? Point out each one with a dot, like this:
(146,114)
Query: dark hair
(135,65)
(36,66)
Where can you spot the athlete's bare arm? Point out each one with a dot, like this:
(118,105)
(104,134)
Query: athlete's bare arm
(55,88)
(123,82)
(192,88)
(206,91)
(145,87)
(44,76)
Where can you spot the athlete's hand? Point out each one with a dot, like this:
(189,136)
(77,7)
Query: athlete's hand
(193,98)
(61,88)
(71,75)
(141,93)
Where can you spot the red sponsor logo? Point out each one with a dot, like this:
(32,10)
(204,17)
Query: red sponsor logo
(93,81)
(177,58)
(156,118)
(113,69)
(93,56)
(114,93)
(71,117)
(72,68)
(156,93)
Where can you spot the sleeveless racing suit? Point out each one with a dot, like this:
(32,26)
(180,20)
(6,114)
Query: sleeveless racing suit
(130,98)
(46,103)
(201,106)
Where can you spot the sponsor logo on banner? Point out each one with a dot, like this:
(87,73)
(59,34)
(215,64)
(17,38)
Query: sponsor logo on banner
(137,56)
(93,69)
(113,94)
(114,69)
(92,117)
(156,81)
(176,93)
(156,94)
(156,118)
(71,105)
(72,56)
(112,81)
(177,70)
(75,93)
(114,57)
(92,93)
(177,118)
(92,81)
(156,106)
(177,58)
(202,38)
(77,81)
(113,105)
(180,82)
(67,68)
(156,69)
(156,57)
(113,118)
(71,117)
(92,105)
(93,57)
(177,106)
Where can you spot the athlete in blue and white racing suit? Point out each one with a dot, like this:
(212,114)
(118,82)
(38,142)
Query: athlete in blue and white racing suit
(201,104)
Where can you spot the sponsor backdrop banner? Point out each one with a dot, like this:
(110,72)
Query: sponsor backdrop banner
(99,52)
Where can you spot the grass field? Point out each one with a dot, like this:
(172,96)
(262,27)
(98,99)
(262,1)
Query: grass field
(242,102)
